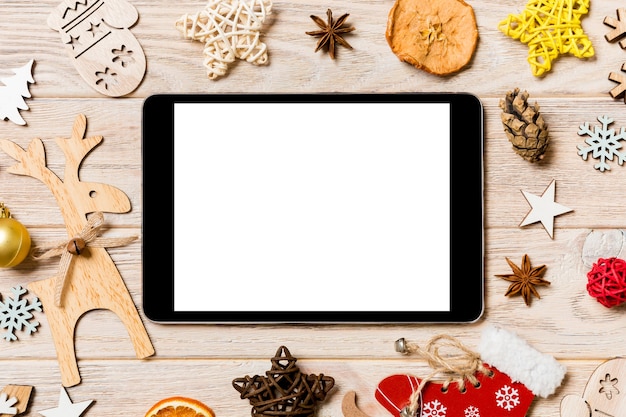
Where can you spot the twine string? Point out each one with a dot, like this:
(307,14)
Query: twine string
(89,235)
(459,367)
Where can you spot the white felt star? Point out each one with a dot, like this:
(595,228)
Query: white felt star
(544,208)
(66,408)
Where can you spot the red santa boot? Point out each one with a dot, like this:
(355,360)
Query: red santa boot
(500,380)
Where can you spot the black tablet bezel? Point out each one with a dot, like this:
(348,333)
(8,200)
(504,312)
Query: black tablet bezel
(466,206)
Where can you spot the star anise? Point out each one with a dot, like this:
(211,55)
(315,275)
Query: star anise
(331,32)
(524,280)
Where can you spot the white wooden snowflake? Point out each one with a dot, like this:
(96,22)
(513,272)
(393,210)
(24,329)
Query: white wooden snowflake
(15,314)
(604,143)
(6,404)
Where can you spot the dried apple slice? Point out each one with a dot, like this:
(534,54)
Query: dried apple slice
(437,36)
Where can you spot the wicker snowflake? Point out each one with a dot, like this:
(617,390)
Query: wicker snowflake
(604,143)
(16,313)
(230,29)
(550,28)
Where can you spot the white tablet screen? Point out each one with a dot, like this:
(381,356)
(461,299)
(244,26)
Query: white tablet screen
(323,206)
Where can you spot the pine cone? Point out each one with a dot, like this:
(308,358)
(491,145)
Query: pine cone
(524,126)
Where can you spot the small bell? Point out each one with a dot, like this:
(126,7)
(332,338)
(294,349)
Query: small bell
(14,239)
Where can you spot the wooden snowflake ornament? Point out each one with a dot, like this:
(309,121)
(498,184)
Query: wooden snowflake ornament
(89,279)
(97,38)
(619,77)
(230,30)
(619,28)
(13,90)
(550,28)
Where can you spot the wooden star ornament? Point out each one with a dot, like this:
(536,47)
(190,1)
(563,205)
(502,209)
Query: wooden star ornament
(550,28)
(544,209)
(284,390)
(230,30)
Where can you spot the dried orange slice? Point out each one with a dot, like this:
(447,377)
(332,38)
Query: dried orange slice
(437,36)
(179,407)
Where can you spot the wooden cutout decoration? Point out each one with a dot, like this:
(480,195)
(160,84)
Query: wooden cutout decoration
(94,281)
(603,395)
(230,30)
(97,38)
(349,407)
(619,27)
(544,209)
(13,91)
(22,394)
(66,408)
(620,78)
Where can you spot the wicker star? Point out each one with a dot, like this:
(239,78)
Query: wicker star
(550,28)
(230,30)
(284,390)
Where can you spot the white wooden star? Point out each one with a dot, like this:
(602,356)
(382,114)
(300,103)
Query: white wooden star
(66,408)
(544,209)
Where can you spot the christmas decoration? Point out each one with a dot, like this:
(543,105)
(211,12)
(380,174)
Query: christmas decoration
(524,280)
(619,77)
(6,404)
(603,395)
(16,314)
(97,38)
(14,239)
(66,408)
(229,29)
(619,27)
(284,390)
(604,143)
(524,126)
(550,28)
(179,407)
(349,407)
(606,281)
(500,379)
(17,398)
(331,32)
(437,36)
(93,281)
(544,209)
(13,91)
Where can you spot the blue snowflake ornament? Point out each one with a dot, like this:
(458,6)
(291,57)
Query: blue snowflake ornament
(604,143)
(15,314)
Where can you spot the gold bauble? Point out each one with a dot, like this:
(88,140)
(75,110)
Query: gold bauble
(14,240)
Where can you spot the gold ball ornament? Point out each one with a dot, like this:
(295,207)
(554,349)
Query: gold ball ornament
(14,239)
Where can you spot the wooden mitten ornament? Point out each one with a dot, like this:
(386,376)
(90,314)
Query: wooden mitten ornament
(87,282)
(604,394)
(503,385)
(97,37)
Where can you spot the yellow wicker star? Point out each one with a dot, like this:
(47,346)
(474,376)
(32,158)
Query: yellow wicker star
(230,30)
(550,28)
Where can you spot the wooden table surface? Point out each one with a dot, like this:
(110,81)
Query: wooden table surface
(200,361)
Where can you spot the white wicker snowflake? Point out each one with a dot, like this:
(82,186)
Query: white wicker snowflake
(433,409)
(604,143)
(15,313)
(472,411)
(507,398)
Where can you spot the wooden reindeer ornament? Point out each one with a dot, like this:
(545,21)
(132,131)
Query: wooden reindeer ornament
(88,277)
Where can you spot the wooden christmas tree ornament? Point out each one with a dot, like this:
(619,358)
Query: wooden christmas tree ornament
(603,395)
(97,38)
(84,283)
(13,90)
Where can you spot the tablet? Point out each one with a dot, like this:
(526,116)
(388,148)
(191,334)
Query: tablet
(312,208)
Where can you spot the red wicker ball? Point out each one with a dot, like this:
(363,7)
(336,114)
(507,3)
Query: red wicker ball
(607,281)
